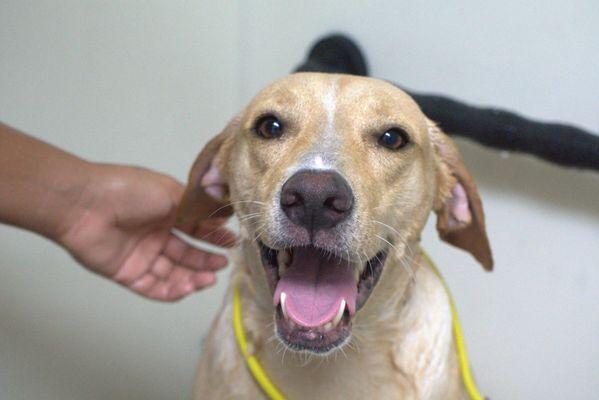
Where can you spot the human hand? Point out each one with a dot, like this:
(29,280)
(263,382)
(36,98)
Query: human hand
(120,227)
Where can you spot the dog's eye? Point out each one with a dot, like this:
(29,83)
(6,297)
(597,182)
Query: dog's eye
(269,127)
(394,139)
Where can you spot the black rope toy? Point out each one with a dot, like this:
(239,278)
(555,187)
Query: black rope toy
(562,144)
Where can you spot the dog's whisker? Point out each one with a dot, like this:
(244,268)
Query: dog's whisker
(348,259)
(249,213)
(222,229)
(272,338)
(400,235)
(247,221)
(411,259)
(407,268)
(259,231)
(270,324)
(232,203)
(386,241)
(307,359)
(283,357)
(343,352)
(354,344)
(321,361)
(248,216)
(392,229)
(253,224)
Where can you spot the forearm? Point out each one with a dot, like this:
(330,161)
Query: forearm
(39,183)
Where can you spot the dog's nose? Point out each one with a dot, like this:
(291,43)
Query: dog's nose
(316,199)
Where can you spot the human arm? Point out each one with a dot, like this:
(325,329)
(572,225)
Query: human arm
(115,220)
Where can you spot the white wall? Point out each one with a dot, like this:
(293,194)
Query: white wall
(148,83)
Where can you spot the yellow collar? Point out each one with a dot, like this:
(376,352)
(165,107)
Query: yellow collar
(273,393)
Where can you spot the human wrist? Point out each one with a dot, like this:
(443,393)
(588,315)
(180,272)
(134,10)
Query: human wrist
(39,183)
(71,199)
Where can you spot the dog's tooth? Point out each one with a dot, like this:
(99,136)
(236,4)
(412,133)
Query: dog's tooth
(328,326)
(283,297)
(357,274)
(340,312)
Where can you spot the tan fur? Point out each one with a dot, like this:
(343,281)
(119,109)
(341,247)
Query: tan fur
(401,345)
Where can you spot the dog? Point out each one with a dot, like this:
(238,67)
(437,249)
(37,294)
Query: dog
(332,178)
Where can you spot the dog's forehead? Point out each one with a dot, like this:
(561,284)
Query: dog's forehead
(349,95)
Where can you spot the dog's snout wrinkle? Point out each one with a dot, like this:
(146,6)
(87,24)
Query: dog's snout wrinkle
(316,199)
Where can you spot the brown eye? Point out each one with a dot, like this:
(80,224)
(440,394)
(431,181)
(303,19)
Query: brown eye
(269,127)
(394,139)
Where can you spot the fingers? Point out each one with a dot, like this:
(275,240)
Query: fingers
(193,283)
(174,282)
(162,268)
(144,283)
(175,289)
(173,273)
(195,259)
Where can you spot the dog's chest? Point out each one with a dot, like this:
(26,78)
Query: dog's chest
(349,376)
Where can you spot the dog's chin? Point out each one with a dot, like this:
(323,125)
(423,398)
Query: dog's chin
(316,294)
(318,340)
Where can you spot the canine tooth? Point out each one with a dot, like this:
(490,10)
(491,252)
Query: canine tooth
(328,326)
(339,313)
(357,274)
(283,297)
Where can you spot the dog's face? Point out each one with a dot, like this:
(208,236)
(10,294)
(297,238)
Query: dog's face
(331,176)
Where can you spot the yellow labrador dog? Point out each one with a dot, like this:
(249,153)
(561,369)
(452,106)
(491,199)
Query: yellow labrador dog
(332,178)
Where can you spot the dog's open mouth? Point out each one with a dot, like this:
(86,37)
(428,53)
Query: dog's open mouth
(316,294)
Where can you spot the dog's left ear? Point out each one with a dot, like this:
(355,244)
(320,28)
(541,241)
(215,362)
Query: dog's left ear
(460,217)
(206,196)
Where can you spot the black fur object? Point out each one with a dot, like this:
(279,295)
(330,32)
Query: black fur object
(562,144)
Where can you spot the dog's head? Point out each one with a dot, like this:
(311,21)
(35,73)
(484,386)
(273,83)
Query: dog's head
(330,176)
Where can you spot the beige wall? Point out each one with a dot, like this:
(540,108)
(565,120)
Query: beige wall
(148,83)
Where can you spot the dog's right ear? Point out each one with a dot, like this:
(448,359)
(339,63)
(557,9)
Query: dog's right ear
(207,193)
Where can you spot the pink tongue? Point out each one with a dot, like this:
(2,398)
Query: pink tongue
(315,285)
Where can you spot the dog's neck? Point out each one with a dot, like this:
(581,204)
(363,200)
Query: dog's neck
(401,340)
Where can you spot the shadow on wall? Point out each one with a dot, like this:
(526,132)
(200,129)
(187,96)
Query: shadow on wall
(571,189)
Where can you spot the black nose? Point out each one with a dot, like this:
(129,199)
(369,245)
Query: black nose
(316,199)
